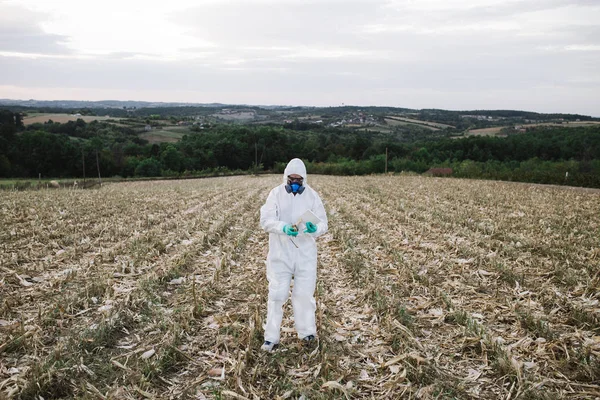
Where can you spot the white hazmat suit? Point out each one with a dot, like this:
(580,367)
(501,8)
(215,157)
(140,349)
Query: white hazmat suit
(286,260)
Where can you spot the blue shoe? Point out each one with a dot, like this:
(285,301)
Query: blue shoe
(308,339)
(269,346)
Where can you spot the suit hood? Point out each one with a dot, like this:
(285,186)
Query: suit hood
(296,166)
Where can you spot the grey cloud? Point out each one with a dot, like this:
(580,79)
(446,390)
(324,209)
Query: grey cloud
(28,41)
(588,35)
(492,72)
(291,28)
(123,55)
(20,32)
(446,85)
(516,8)
(510,17)
(292,53)
(278,24)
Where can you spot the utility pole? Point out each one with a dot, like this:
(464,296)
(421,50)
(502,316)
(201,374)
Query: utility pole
(386,160)
(98,166)
(83,161)
(256,155)
(262,154)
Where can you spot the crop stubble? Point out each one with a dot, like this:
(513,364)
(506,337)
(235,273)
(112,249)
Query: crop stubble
(428,288)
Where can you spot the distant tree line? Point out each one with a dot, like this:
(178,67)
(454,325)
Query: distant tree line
(133,112)
(60,150)
(460,122)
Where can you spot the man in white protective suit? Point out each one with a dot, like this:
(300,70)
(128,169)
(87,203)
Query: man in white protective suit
(292,252)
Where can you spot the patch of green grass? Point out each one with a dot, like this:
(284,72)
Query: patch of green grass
(47,383)
(19,184)
(565,276)
(49,319)
(151,288)
(231,330)
(166,361)
(461,317)
(398,342)
(538,394)
(355,264)
(536,326)
(197,308)
(16,344)
(422,373)
(583,318)
(173,273)
(458,317)
(449,390)
(107,333)
(581,365)
(503,367)
(508,275)
(404,316)
(446,300)
(163,135)
(379,301)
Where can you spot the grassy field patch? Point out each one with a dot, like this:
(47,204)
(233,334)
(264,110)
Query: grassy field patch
(62,118)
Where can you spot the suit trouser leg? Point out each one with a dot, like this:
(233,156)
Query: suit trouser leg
(279,277)
(303,300)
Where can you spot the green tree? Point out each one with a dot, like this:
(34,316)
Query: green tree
(171,158)
(129,166)
(148,167)
(5,169)
(8,127)
(469,169)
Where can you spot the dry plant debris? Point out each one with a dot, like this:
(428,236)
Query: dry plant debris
(428,289)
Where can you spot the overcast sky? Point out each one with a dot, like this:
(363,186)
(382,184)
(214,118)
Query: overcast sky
(538,55)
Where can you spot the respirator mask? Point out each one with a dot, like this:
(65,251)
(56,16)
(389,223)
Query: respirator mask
(295,185)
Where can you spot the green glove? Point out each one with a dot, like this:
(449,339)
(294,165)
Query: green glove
(310,228)
(290,230)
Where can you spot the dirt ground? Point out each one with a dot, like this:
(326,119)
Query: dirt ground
(428,288)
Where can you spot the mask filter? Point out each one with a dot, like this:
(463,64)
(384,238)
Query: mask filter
(294,188)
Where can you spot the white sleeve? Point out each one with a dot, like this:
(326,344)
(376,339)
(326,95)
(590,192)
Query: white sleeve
(269,215)
(319,210)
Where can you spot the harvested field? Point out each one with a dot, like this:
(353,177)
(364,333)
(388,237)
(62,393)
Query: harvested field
(496,130)
(236,117)
(165,135)
(62,118)
(428,288)
(566,124)
(420,122)
(493,131)
(394,122)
